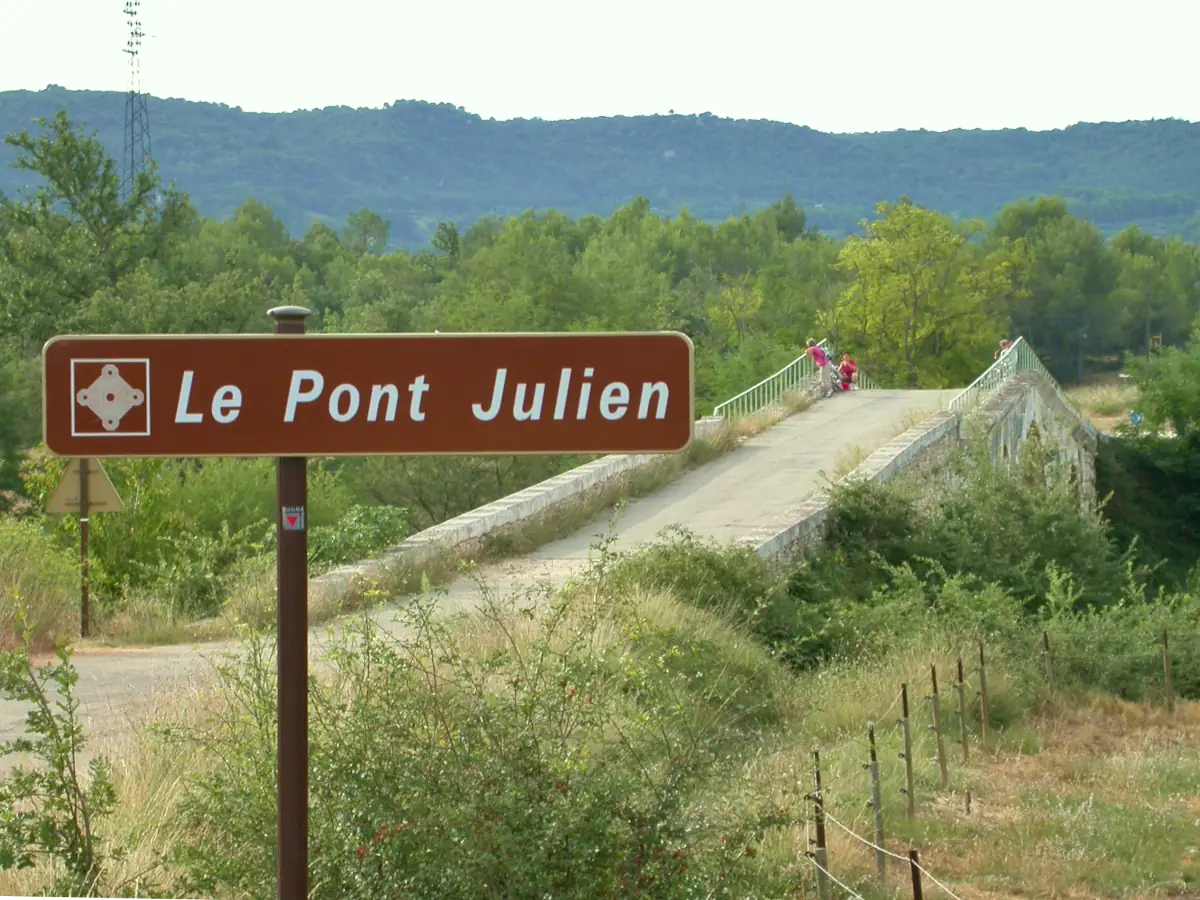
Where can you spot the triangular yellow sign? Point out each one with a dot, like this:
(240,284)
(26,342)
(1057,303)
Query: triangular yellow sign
(102,496)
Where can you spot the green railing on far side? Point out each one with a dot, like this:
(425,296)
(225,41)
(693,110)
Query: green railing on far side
(1016,359)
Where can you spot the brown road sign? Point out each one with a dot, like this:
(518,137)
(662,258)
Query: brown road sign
(361,395)
(102,496)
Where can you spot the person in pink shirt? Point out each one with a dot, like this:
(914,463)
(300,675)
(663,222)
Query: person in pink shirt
(824,370)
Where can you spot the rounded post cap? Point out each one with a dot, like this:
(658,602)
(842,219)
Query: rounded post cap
(289,312)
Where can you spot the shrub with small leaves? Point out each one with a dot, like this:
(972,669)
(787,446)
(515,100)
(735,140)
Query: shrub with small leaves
(50,813)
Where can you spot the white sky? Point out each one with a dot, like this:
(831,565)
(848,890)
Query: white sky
(857,65)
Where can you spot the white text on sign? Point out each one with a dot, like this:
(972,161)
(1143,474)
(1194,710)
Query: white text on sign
(526,402)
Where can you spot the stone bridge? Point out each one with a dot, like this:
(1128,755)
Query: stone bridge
(767,494)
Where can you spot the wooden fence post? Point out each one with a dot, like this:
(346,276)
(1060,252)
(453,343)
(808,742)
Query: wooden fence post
(937,728)
(909,791)
(983,696)
(962,712)
(1046,658)
(1167,683)
(821,855)
(877,805)
(914,867)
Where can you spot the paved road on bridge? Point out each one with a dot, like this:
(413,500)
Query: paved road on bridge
(757,483)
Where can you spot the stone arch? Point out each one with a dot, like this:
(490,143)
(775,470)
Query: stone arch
(1034,433)
(1004,450)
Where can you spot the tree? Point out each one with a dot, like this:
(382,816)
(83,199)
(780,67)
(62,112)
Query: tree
(1156,282)
(75,233)
(445,238)
(1070,308)
(789,218)
(365,233)
(924,304)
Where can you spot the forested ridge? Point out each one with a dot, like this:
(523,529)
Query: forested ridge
(418,164)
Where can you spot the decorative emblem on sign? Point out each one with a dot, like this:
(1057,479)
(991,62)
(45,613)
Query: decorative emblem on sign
(110,397)
(293,518)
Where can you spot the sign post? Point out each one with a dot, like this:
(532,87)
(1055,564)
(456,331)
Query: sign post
(84,489)
(291,563)
(84,624)
(293,395)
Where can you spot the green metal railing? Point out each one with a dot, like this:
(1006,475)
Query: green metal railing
(796,375)
(771,389)
(1016,359)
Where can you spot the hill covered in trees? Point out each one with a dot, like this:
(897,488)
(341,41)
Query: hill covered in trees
(419,163)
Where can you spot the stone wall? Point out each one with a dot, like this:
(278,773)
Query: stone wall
(1027,404)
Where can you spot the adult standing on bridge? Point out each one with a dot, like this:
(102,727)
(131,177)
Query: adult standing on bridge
(824,370)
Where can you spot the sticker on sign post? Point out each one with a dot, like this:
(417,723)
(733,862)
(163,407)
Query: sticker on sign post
(293,518)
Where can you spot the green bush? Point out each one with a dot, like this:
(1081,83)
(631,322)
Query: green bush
(1152,486)
(185,525)
(360,533)
(566,757)
(1012,527)
(437,488)
(1009,554)
(51,810)
(1118,649)
(729,580)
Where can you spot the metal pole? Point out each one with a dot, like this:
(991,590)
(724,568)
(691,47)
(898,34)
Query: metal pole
(819,814)
(291,481)
(909,790)
(85,625)
(877,804)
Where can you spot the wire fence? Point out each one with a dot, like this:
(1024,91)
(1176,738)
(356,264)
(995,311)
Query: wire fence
(966,724)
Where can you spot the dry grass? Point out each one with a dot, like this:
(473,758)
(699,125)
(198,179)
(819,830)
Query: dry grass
(36,575)
(1106,403)
(1084,797)
(144,622)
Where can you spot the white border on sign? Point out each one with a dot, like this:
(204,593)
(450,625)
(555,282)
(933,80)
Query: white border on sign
(75,401)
